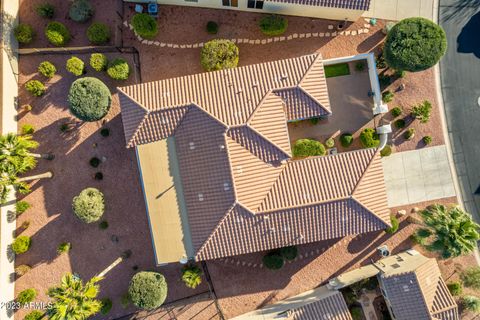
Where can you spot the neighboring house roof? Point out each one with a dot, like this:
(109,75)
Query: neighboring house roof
(419,294)
(332,307)
(343,4)
(242,192)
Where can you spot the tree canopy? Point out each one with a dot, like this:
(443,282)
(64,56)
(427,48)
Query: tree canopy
(89,99)
(148,290)
(89,205)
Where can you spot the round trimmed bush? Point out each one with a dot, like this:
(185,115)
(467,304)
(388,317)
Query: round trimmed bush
(35,87)
(81,10)
(386,151)
(34,315)
(273,260)
(409,134)
(369,138)
(57,34)
(289,253)
(455,288)
(273,25)
(89,205)
(427,140)
(145,25)
(98,61)
(219,54)
(414,44)
(94,162)
(89,99)
(46,10)
(106,306)
(148,290)
(118,69)
(387,96)
(26,296)
(47,69)
(399,123)
(396,112)
(98,33)
(330,143)
(308,148)
(24,33)
(76,66)
(387,27)
(21,244)
(346,140)
(212,27)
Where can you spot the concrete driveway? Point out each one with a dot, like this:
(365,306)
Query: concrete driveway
(401,9)
(417,176)
(460,82)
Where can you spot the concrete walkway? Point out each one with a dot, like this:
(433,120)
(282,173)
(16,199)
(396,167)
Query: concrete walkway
(417,176)
(401,9)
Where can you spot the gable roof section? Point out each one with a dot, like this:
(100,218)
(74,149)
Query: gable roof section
(420,294)
(332,307)
(363,5)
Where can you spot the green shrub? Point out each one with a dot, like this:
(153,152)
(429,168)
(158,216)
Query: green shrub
(346,140)
(471,278)
(81,10)
(34,315)
(89,205)
(400,73)
(273,260)
(192,276)
(330,143)
(360,65)
(471,303)
(219,54)
(308,148)
(422,111)
(414,44)
(98,33)
(212,27)
(24,33)
(22,269)
(106,306)
(384,80)
(387,96)
(148,290)
(21,244)
(105,132)
(46,10)
(386,151)
(27,129)
(125,300)
(387,27)
(400,123)
(289,253)
(94,162)
(395,225)
(64,247)
(103,225)
(380,61)
(409,134)
(369,138)
(118,69)
(75,66)
(21,206)
(455,288)
(315,120)
(89,99)
(273,25)
(47,69)
(35,87)
(98,61)
(144,25)
(26,296)
(99,176)
(396,112)
(57,34)
(357,313)
(427,140)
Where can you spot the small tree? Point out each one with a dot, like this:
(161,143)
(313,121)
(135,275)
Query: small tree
(98,61)
(35,87)
(471,277)
(369,138)
(45,10)
(219,54)
(57,34)
(144,25)
(414,44)
(308,148)
(273,25)
(89,99)
(192,276)
(148,290)
(75,66)
(89,205)
(289,253)
(450,231)
(455,288)
(98,33)
(47,69)
(118,69)
(422,111)
(81,10)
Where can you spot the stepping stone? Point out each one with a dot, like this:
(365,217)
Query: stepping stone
(254,265)
(163,44)
(182,46)
(347,33)
(264,41)
(257,41)
(301,35)
(175,46)
(276,39)
(139,38)
(366,25)
(169,45)
(245,40)
(130,26)
(234,40)
(365,30)
(295,35)
(342,33)
(239,40)
(282,38)
(334,34)
(251,41)
(354,33)
(156,43)
(125,23)
(308,35)
(144,42)
(321,34)
(150,43)
(243,263)
(315,34)
(327,34)
(195,45)
(200,45)
(189,46)
(330,27)
(289,38)
(269,40)
(249,264)
(360,31)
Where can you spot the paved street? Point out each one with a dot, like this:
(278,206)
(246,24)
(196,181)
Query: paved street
(417,176)
(460,75)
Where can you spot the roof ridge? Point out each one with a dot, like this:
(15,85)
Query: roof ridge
(365,171)
(265,97)
(230,168)
(420,287)
(121,91)
(145,117)
(305,205)
(318,57)
(369,210)
(268,140)
(305,91)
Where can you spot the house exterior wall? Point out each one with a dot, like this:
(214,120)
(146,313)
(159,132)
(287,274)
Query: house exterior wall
(271,7)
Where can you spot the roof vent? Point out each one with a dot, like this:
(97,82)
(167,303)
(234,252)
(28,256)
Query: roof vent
(222,146)
(226,186)
(200,197)
(239,169)
(192,145)
(286,229)
(272,230)
(255,85)
(165,120)
(239,91)
(166,94)
(405,288)
(238,114)
(284,77)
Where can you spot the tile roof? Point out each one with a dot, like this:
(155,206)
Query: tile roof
(332,307)
(420,294)
(240,187)
(343,4)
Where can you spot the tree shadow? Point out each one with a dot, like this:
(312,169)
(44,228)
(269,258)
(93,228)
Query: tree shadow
(373,43)
(467,40)
(457,9)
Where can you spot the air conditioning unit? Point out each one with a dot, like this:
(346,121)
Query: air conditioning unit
(384,251)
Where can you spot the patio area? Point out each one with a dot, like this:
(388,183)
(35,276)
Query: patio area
(351,110)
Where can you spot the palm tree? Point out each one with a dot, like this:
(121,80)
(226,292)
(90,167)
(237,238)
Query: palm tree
(448,230)
(74,300)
